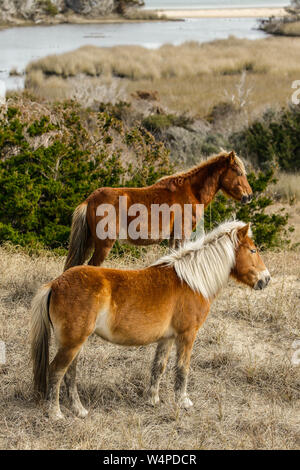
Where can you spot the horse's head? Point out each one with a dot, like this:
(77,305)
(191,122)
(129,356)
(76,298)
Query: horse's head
(249,267)
(233,181)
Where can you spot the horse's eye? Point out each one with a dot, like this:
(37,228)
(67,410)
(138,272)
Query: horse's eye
(253,251)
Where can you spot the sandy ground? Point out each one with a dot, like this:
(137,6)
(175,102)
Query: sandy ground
(224,13)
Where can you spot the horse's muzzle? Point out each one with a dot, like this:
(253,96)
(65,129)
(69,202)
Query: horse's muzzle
(247,198)
(263,280)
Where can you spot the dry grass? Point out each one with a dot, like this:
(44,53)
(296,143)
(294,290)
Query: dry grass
(291,29)
(283,27)
(287,188)
(245,390)
(213,71)
(145,15)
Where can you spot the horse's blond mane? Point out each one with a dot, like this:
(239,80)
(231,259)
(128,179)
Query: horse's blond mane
(205,263)
(192,171)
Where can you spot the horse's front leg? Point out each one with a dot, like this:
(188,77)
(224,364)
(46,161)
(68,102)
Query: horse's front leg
(158,367)
(184,344)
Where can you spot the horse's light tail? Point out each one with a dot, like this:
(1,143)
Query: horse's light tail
(40,336)
(79,238)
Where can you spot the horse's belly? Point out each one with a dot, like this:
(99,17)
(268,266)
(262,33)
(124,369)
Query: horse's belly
(137,335)
(102,327)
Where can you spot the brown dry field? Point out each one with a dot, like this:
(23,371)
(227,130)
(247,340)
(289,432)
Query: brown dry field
(252,74)
(245,389)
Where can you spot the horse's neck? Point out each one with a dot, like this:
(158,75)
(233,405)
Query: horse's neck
(206,183)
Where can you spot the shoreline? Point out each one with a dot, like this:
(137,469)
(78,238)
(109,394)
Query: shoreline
(162,15)
(76,19)
(241,12)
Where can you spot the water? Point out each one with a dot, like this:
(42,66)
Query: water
(19,46)
(194,4)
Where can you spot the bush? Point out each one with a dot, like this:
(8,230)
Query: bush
(156,123)
(50,8)
(42,184)
(274,139)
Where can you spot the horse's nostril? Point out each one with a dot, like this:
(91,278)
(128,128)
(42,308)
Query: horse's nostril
(259,285)
(246,198)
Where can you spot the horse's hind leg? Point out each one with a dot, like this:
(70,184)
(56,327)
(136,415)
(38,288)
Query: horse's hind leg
(102,249)
(70,381)
(158,367)
(184,344)
(58,368)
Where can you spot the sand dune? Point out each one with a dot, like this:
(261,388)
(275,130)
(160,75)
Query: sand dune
(224,13)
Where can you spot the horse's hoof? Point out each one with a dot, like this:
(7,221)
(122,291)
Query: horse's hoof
(186,403)
(82,413)
(56,416)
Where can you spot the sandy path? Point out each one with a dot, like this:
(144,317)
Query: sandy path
(224,13)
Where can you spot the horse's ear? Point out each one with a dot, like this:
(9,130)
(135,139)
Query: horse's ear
(243,232)
(174,183)
(232,157)
(171,185)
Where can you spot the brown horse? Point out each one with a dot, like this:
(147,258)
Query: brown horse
(163,303)
(197,186)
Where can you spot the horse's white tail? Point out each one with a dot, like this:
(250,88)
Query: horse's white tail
(40,335)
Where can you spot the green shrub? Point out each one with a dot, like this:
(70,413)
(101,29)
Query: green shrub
(50,8)
(40,127)
(274,139)
(156,123)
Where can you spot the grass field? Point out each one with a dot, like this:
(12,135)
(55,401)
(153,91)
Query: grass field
(290,29)
(287,187)
(250,74)
(246,391)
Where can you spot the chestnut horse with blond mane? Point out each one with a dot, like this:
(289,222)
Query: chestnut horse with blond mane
(164,303)
(198,185)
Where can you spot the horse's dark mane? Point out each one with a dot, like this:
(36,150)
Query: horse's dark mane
(195,169)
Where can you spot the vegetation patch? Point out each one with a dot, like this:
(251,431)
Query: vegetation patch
(156,123)
(50,8)
(272,139)
(249,72)
(52,163)
(288,25)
